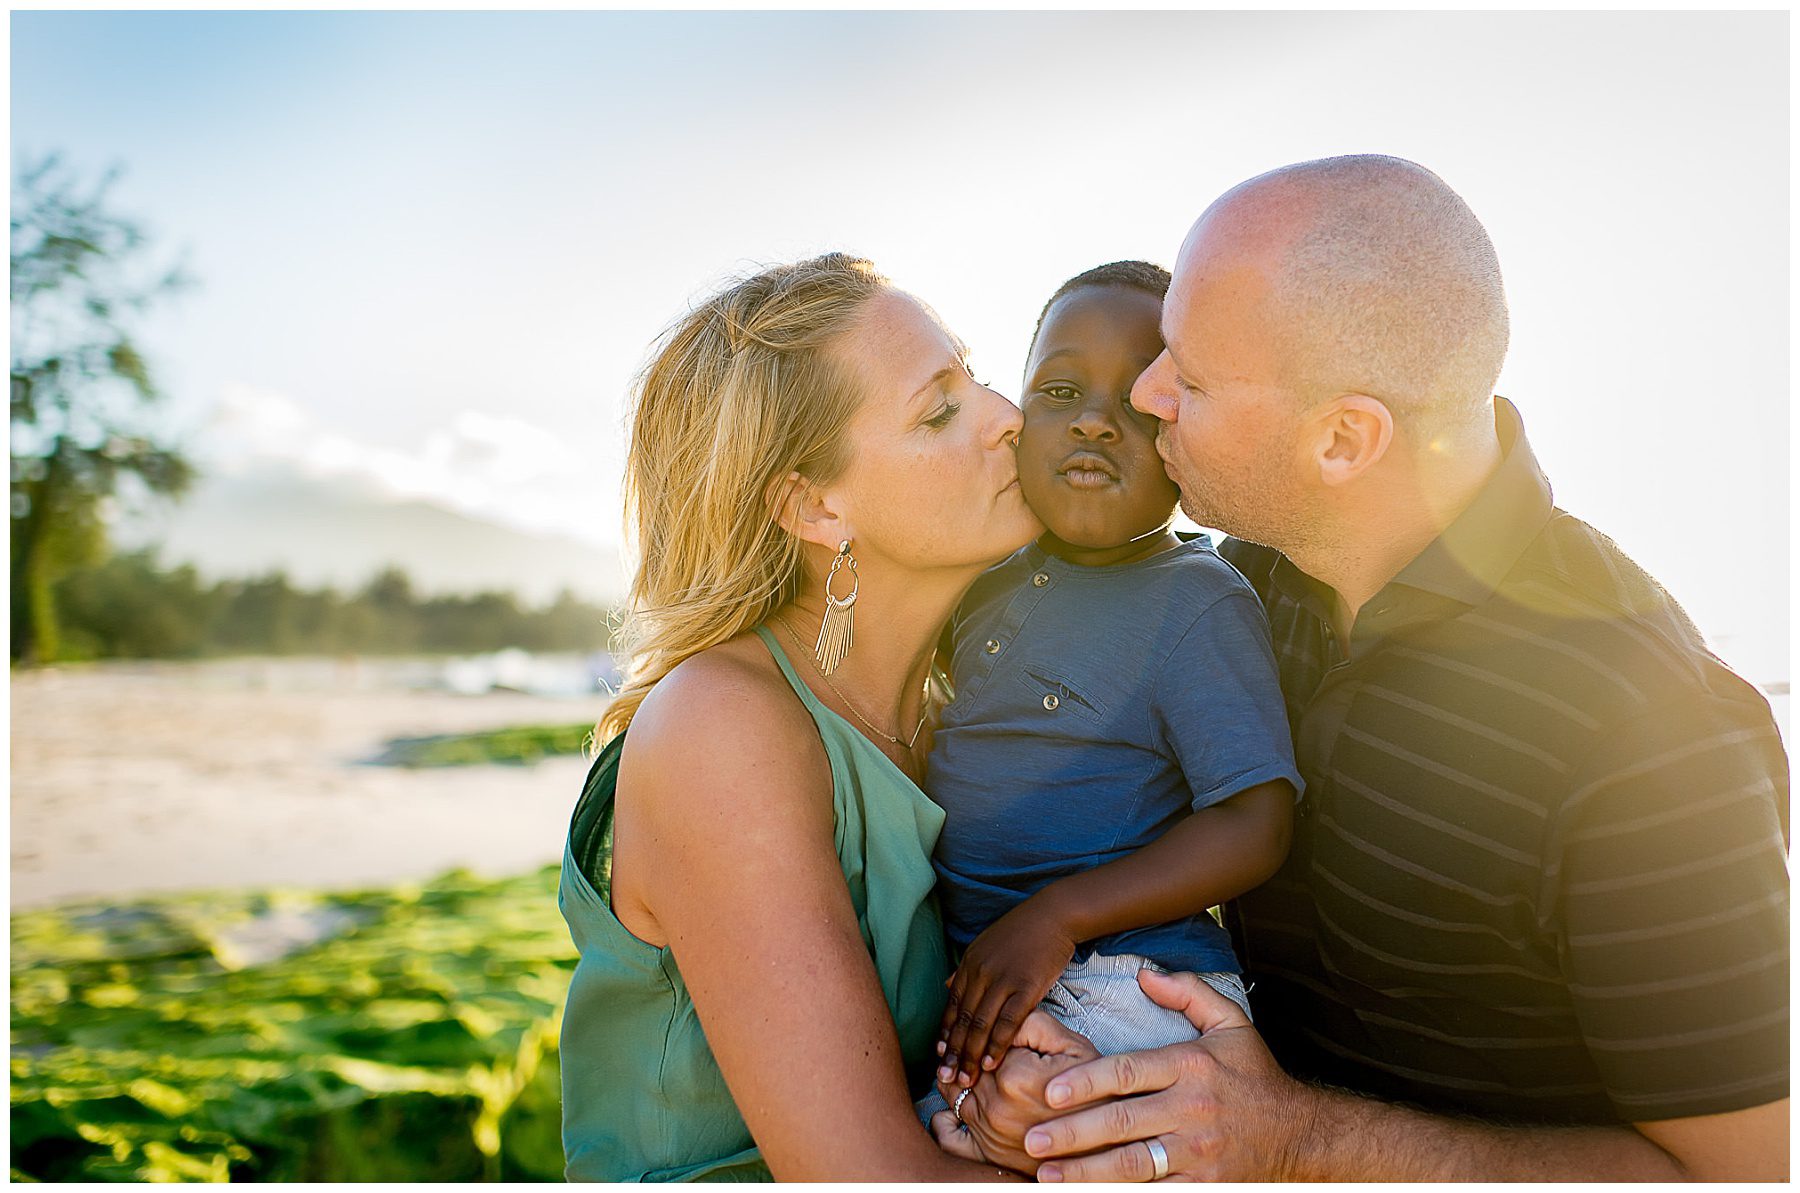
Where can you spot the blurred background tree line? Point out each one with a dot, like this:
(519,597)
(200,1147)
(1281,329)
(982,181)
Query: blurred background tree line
(125,607)
(85,444)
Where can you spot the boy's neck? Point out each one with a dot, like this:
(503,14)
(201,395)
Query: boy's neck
(1142,547)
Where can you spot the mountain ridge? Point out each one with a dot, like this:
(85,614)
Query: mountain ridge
(341,535)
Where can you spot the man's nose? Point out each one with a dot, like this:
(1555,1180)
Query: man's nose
(1152,393)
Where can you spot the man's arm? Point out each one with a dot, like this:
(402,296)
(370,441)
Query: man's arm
(1224,1110)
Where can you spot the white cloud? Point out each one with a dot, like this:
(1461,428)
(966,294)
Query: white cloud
(498,468)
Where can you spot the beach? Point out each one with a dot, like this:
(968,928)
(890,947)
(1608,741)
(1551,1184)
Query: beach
(137,778)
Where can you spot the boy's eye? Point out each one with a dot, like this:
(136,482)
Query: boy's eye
(1059,393)
(941,419)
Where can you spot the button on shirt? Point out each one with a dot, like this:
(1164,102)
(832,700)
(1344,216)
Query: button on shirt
(1095,707)
(1540,872)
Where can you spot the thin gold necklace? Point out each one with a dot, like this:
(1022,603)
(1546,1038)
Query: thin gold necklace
(922,715)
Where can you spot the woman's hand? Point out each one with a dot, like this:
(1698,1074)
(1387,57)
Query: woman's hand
(1004,974)
(1006,1103)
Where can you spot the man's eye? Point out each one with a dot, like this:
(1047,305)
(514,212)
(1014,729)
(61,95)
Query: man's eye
(941,419)
(1059,393)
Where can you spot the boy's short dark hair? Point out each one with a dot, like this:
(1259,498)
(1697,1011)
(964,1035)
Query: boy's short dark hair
(1139,275)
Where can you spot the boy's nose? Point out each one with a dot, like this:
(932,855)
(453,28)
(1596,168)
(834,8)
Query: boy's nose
(1093,423)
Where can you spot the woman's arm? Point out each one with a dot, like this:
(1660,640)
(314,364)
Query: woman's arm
(1210,856)
(725,836)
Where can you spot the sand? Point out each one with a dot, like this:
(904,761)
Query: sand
(129,779)
(136,778)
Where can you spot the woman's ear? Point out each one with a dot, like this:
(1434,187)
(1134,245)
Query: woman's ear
(1350,435)
(806,511)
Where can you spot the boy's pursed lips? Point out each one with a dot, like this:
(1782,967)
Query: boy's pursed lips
(1089,469)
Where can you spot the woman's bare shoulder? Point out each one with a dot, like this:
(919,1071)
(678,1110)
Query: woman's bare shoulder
(725,715)
(735,683)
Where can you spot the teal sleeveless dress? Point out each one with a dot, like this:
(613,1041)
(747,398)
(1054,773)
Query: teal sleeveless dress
(643,1098)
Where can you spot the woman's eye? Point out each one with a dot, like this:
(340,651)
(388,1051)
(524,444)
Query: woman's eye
(941,419)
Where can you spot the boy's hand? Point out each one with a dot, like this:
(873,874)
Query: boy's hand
(1004,974)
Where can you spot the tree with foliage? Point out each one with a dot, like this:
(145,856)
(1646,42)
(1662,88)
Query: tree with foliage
(81,389)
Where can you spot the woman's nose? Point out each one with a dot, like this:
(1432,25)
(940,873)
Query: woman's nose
(1008,421)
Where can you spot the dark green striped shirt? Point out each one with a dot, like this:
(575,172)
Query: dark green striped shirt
(1539,873)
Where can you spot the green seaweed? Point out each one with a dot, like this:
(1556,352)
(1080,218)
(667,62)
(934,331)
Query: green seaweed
(416,1043)
(520,745)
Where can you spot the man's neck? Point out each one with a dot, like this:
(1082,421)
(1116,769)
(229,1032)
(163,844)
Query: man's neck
(1372,541)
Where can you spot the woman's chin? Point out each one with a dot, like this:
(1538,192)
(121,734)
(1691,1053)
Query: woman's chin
(1025,529)
(1031,531)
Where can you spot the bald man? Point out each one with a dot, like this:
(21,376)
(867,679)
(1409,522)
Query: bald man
(1534,923)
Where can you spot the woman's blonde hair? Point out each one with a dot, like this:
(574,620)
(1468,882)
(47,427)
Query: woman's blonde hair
(741,392)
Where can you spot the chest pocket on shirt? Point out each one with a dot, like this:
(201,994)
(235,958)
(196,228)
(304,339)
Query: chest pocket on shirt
(1055,696)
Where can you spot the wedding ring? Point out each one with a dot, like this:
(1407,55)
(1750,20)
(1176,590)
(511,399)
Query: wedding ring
(956,1106)
(1159,1159)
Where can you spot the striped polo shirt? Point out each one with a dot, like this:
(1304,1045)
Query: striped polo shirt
(1540,871)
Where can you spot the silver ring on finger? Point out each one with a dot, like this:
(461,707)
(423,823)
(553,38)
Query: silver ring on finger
(1159,1159)
(956,1106)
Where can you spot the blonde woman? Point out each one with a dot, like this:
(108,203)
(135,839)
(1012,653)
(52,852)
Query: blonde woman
(748,873)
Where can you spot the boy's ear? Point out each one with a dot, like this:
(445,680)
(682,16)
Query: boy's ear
(802,509)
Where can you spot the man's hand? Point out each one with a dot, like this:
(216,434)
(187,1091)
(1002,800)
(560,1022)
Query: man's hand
(1220,1106)
(1005,973)
(1007,1102)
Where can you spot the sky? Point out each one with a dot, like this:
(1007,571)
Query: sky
(434,247)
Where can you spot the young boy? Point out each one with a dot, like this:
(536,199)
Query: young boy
(1116,760)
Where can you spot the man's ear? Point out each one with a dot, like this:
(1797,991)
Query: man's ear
(1349,435)
(805,511)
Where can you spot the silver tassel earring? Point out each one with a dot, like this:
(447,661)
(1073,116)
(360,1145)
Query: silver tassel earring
(836,631)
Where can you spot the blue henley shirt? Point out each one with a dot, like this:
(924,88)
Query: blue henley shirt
(1095,707)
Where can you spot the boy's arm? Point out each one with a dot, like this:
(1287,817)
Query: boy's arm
(1210,856)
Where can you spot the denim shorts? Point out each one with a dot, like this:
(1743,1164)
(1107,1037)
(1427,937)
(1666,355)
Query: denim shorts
(1101,999)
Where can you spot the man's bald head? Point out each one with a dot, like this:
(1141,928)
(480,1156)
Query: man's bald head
(1370,276)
